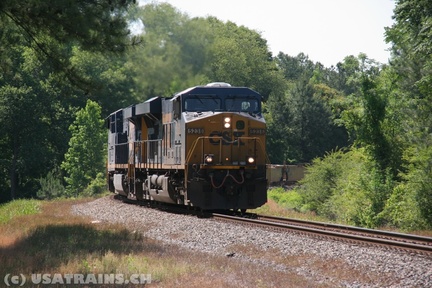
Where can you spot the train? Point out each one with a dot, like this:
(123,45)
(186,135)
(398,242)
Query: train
(204,147)
(285,174)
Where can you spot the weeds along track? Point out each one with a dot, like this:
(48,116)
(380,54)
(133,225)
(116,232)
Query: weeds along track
(391,240)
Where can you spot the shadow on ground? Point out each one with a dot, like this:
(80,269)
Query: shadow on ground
(48,247)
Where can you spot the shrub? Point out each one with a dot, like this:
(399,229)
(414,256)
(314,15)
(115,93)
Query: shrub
(346,186)
(320,181)
(402,210)
(51,185)
(290,199)
(96,186)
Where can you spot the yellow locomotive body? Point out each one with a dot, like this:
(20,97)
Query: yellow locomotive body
(204,147)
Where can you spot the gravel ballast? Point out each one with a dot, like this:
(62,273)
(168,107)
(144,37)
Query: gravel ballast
(373,266)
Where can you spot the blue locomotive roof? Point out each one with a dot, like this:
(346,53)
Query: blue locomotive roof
(220,91)
(219,97)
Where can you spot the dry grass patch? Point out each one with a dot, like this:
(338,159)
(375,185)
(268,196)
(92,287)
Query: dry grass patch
(55,241)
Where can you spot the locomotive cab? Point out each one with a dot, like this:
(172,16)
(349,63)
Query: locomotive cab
(224,142)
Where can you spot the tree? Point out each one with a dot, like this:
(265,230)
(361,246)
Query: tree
(111,77)
(305,122)
(389,118)
(16,136)
(51,26)
(412,63)
(86,155)
(241,57)
(295,67)
(179,52)
(25,118)
(45,48)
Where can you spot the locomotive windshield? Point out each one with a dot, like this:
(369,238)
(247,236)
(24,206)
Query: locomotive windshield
(195,103)
(201,104)
(241,104)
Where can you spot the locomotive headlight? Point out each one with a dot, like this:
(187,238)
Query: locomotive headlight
(227,122)
(251,160)
(208,158)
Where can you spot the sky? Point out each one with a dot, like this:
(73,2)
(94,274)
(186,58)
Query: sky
(325,30)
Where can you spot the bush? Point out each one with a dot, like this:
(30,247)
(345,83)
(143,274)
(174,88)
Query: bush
(51,185)
(96,186)
(402,209)
(410,204)
(377,186)
(320,181)
(288,199)
(346,187)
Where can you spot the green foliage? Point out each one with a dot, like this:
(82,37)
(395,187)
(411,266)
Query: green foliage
(368,122)
(24,123)
(345,186)
(240,56)
(45,77)
(162,62)
(109,79)
(418,184)
(17,208)
(86,155)
(402,209)
(320,181)
(287,199)
(387,112)
(96,186)
(51,185)
(51,26)
(179,52)
(304,121)
(95,24)
(377,186)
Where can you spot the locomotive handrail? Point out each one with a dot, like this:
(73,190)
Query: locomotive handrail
(149,154)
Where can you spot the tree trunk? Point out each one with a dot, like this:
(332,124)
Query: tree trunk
(13,174)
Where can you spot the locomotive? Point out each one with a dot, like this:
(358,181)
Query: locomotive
(203,147)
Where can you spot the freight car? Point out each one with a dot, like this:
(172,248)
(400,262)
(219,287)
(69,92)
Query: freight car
(203,147)
(278,174)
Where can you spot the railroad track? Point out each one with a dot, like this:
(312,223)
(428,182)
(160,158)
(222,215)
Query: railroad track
(409,242)
(419,244)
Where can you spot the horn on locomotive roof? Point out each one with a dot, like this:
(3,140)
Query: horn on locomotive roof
(218,84)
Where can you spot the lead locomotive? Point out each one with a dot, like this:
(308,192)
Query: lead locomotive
(203,147)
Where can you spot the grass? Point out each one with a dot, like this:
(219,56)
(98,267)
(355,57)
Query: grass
(49,239)
(283,203)
(17,208)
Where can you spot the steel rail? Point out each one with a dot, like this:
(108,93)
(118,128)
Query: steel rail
(348,228)
(346,233)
